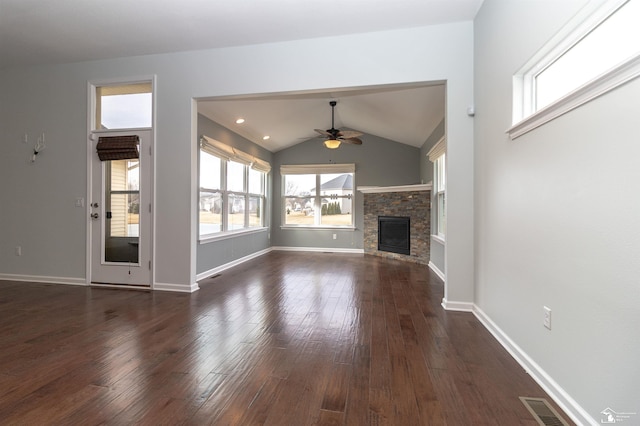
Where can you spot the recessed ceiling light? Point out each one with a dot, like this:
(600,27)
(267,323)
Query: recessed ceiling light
(240,121)
(265,138)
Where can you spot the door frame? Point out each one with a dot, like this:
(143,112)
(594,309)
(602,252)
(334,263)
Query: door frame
(91,118)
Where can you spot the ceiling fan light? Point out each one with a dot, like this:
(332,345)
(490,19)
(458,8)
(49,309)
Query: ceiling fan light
(332,143)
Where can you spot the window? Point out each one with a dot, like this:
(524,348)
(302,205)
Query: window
(437,155)
(123,106)
(318,195)
(232,189)
(593,54)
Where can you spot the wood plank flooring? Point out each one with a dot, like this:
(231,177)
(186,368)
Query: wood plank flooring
(284,339)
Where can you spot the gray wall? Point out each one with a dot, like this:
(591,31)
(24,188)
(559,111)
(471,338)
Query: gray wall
(426,175)
(379,162)
(557,220)
(426,166)
(53,99)
(212,254)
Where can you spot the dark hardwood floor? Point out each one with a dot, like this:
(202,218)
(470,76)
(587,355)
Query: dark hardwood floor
(284,339)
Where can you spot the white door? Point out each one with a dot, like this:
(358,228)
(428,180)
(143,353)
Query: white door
(120,210)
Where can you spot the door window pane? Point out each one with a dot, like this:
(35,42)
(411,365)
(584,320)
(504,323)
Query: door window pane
(122,210)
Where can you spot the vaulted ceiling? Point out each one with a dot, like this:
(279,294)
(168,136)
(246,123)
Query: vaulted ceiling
(34,32)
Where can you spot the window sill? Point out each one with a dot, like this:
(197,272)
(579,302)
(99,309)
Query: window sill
(438,239)
(317,228)
(597,87)
(230,234)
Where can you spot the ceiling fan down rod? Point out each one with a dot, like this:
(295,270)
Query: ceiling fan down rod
(333,105)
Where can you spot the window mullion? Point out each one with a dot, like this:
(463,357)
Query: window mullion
(225,196)
(317,210)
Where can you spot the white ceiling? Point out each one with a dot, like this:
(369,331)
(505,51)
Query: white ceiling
(406,114)
(34,32)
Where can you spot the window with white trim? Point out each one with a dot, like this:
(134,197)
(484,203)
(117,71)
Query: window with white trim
(318,196)
(596,52)
(123,106)
(232,189)
(437,155)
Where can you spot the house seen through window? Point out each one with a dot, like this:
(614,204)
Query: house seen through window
(232,189)
(318,196)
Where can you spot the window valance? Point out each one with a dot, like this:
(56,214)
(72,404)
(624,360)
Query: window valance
(228,153)
(304,169)
(437,150)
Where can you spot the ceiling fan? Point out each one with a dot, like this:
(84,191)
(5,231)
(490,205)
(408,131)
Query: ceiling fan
(335,136)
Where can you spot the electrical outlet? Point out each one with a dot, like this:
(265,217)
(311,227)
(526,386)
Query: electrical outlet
(18,250)
(547,317)
(335,236)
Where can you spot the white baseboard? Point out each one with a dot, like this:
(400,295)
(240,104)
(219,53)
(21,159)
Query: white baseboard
(437,271)
(562,398)
(44,279)
(218,269)
(457,306)
(178,288)
(319,249)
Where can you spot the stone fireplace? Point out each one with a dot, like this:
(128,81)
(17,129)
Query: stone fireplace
(409,201)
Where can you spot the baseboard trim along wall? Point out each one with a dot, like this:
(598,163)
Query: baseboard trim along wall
(437,271)
(44,279)
(176,288)
(562,398)
(320,249)
(457,306)
(218,269)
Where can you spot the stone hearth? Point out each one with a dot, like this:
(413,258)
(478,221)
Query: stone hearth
(413,201)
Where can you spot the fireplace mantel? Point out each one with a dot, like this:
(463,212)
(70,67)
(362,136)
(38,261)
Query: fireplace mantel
(399,188)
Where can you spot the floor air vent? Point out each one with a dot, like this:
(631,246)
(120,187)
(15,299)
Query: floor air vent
(544,414)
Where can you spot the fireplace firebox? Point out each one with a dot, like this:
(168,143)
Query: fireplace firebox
(394,234)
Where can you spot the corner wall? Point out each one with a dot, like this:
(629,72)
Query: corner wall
(211,255)
(557,223)
(436,248)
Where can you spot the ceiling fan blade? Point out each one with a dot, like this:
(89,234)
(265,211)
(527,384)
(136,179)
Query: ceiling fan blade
(354,141)
(323,132)
(349,134)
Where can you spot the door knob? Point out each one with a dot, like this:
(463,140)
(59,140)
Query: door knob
(94,215)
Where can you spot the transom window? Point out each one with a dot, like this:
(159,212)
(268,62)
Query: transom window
(124,106)
(596,52)
(318,195)
(232,189)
